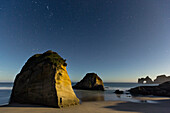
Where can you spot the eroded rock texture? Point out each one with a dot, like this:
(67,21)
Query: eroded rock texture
(44,80)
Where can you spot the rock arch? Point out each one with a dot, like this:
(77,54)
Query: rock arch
(146,80)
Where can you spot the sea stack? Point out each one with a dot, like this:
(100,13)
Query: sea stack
(90,82)
(147,80)
(44,80)
(161,79)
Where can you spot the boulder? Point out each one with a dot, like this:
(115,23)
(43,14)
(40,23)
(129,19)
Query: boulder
(160,90)
(90,82)
(118,92)
(44,80)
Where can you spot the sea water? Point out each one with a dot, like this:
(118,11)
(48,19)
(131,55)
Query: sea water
(85,95)
(108,94)
(5,92)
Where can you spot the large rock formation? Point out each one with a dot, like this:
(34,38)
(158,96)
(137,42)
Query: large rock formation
(147,80)
(161,79)
(90,82)
(160,90)
(44,80)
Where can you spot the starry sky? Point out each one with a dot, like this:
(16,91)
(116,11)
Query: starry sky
(120,40)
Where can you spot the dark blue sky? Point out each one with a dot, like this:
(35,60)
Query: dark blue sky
(120,40)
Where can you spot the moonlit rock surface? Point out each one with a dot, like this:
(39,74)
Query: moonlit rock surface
(44,80)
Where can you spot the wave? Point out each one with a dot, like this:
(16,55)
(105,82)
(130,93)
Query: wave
(115,88)
(5,88)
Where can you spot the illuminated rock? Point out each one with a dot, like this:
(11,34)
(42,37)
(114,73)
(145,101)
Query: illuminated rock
(44,80)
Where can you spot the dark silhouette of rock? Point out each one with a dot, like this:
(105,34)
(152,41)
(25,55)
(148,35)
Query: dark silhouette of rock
(147,79)
(161,79)
(90,82)
(160,90)
(44,80)
(118,92)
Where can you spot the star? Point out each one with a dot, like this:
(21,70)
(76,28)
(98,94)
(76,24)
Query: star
(47,7)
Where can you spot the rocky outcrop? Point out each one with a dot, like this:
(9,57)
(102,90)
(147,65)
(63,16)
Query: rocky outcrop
(160,90)
(161,79)
(90,82)
(44,80)
(147,79)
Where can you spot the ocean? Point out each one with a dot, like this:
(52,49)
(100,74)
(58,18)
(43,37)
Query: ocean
(85,95)
(5,92)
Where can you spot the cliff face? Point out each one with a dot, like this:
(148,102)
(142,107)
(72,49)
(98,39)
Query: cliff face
(90,82)
(44,80)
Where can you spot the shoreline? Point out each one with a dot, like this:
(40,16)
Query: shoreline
(100,102)
(96,107)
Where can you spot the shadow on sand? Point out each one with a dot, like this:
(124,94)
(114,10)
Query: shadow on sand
(141,107)
(26,105)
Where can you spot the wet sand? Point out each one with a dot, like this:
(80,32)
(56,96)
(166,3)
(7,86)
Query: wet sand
(162,106)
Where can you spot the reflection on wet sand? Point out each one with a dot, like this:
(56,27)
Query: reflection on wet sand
(93,98)
(87,95)
(118,95)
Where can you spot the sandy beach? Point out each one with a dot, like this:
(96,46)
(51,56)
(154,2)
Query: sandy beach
(162,106)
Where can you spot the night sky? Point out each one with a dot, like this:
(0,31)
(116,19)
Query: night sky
(120,40)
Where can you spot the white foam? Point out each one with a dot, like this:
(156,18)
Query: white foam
(116,88)
(2,88)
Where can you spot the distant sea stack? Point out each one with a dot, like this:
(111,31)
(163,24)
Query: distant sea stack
(147,80)
(44,80)
(159,79)
(90,82)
